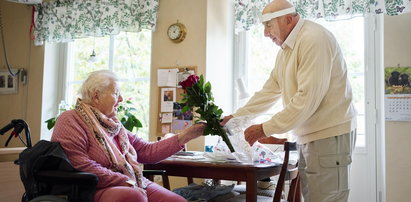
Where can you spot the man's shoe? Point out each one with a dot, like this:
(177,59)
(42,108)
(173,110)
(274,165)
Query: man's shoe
(266,185)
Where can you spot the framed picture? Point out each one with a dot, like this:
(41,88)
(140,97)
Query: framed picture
(8,83)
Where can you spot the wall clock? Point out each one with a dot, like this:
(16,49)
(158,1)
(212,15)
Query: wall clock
(177,32)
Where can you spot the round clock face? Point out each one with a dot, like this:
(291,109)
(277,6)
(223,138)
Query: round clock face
(176,32)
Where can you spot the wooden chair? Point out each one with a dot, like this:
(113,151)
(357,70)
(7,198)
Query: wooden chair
(288,172)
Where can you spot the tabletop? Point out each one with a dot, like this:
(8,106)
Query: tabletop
(196,166)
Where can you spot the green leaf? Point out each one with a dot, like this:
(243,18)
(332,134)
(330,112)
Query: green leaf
(120,108)
(50,123)
(185,109)
(129,125)
(207,87)
(207,131)
(138,123)
(219,113)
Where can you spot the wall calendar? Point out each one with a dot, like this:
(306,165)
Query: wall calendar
(397,101)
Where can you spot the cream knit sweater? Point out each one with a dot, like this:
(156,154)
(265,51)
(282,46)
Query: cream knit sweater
(310,75)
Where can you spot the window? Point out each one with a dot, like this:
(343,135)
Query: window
(350,35)
(126,54)
(261,54)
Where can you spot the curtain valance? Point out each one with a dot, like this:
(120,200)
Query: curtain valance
(247,12)
(65,20)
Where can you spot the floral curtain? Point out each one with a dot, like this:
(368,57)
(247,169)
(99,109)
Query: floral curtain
(247,12)
(65,20)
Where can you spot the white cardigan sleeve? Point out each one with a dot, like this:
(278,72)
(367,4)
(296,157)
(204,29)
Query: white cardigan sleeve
(313,73)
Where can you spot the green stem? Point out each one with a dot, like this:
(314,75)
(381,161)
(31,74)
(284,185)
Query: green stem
(227,141)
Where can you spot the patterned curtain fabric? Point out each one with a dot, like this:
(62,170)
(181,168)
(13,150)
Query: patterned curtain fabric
(247,12)
(65,20)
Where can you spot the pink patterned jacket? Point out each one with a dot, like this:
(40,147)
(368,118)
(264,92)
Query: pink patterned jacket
(86,155)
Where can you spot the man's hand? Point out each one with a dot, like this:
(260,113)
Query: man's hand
(226,119)
(253,133)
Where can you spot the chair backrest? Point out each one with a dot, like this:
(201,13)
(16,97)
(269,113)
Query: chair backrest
(44,155)
(46,170)
(288,172)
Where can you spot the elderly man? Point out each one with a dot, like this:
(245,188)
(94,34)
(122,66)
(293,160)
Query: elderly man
(310,76)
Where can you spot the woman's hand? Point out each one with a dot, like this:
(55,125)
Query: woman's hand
(190,133)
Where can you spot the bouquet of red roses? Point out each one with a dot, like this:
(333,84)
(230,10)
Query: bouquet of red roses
(198,94)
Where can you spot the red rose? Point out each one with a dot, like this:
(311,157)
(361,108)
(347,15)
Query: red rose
(190,81)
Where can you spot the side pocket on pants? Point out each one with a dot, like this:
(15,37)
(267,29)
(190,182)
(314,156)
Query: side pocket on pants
(334,172)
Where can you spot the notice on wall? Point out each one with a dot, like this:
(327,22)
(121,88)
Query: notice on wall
(165,128)
(168,97)
(397,100)
(167,77)
(167,117)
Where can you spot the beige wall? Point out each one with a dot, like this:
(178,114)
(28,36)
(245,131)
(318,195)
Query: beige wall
(397,50)
(21,52)
(190,52)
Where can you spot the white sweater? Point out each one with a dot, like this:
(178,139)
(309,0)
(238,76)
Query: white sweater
(310,75)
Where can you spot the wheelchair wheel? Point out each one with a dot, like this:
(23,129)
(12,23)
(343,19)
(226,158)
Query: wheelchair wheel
(48,198)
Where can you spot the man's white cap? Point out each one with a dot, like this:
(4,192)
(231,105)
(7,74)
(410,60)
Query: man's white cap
(268,16)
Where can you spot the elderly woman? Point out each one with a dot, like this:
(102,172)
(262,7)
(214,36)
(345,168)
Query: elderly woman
(96,142)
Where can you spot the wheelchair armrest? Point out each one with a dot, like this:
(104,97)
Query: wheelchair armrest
(148,173)
(66,177)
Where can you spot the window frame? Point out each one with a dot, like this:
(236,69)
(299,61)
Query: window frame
(66,73)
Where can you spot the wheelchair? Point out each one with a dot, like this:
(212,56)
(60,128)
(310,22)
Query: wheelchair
(46,172)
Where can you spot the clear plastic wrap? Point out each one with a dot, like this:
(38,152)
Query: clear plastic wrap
(243,151)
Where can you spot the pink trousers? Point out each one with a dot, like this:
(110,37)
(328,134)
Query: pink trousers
(154,193)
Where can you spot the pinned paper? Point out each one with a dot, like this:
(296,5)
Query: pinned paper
(168,97)
(179,125)
(167,77)
(167,118)
(165,128)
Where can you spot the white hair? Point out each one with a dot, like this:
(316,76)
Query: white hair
(96,82)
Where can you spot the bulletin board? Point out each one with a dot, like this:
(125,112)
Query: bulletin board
(170,117)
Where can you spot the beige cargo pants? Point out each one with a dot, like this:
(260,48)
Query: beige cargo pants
(324,168)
